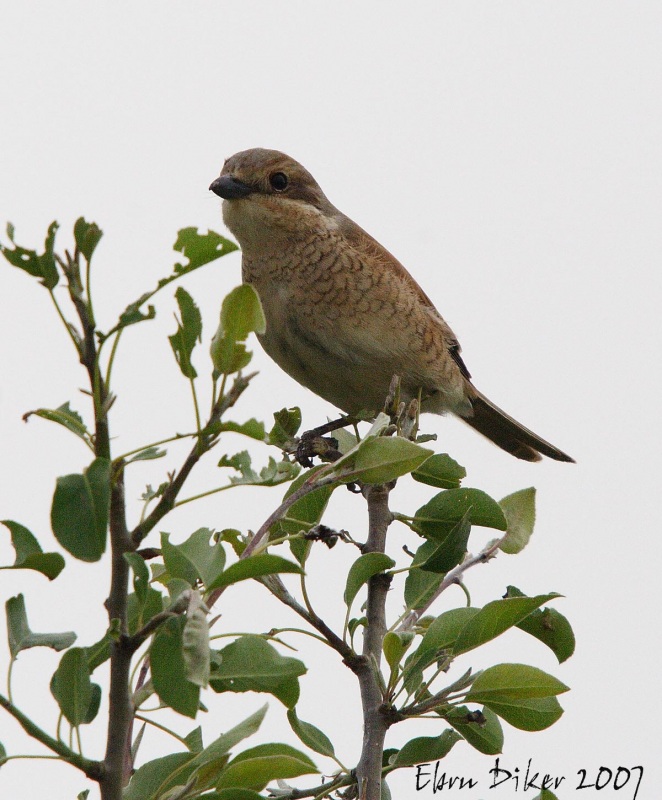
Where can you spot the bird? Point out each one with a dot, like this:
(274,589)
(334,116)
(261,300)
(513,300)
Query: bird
(343,316)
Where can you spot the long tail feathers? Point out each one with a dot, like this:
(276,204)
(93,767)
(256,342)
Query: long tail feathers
(507,433)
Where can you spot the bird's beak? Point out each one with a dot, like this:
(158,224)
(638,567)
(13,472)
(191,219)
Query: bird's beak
(229,187)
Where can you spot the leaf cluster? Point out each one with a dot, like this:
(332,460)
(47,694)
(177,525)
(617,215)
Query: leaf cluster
(165,628)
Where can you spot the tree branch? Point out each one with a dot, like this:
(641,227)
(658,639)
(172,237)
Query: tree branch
(375,723)
(202,446)
(277,588)
(92,769)
(120,711)
(451,578)
(308,486)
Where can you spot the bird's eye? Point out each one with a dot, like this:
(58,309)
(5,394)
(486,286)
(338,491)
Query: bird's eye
(278,181)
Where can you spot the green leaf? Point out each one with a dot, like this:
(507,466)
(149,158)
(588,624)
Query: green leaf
(195,641)
(442,556)
(3,755)
(420,586)
(241,314)
(140,575)
(439,637)
(29,554)
(79,514)
(440,470)
(195,558)
(194,740)
(256,767)
(380,459)
(40,266)
(443,632)
(305,513)
(545,794)
(22,638)
(200,249)
(87,236)
(251,428)
(550,627)
(226,741)
(234,794)
(274,473)
(99,652)
(250,664)
(140,612)
(95,702)
(148,454)
(395,645)
(426,748)
(520,511)
(528,714)
(287,422)
(159,774)
(64,415)
(311,736)
(177,564)
(364,568)
(71,687)
(495,618)
(435,519)
(254,567)
(481,729)
(169,669)
(515,682)
(188,333)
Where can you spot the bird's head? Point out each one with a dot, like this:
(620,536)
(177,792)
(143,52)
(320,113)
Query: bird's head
(267,192)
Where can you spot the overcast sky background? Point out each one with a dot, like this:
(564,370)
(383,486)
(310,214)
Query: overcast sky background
(509,155)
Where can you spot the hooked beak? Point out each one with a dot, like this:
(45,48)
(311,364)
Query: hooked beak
(229,187)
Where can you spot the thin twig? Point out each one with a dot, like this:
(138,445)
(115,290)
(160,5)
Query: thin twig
(450,579)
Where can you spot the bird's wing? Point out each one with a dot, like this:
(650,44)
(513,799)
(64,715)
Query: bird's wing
(370,249)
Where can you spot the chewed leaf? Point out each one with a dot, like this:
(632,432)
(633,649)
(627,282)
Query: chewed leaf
(22,638)
(200,249)
(188,334)
(241,314)
(66,416)
(29,554)
(39,265)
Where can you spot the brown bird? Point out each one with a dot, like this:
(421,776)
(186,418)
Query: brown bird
(343,315)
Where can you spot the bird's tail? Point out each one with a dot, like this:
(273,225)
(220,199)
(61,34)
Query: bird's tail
(507,433)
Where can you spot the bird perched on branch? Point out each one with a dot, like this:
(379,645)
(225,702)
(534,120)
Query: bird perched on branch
(343,315)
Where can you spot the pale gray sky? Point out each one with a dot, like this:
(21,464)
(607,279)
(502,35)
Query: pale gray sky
(509,155)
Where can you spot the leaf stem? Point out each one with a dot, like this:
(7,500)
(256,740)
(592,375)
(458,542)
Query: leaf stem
(161,728)
(113,352)
(66,324)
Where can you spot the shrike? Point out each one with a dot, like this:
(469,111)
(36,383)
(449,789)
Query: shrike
(343,315)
